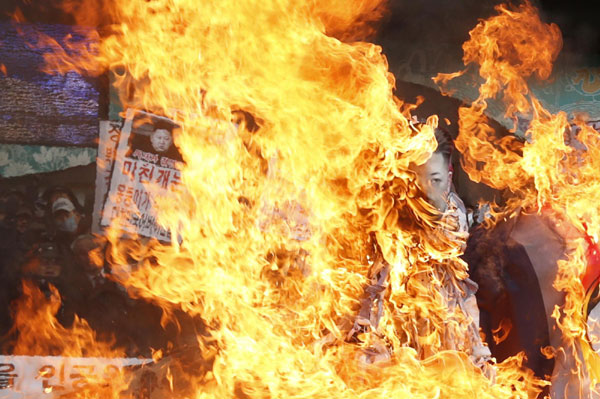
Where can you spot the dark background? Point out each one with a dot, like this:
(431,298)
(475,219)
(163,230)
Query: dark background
(577,19)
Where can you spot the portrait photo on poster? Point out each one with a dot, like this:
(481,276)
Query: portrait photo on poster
(151,140)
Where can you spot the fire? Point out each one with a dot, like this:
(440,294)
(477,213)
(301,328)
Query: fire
(548,170)
(297,180)
(38,332)
(35,321)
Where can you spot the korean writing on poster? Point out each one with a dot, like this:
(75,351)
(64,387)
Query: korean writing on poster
(147,165)
(109,133)
(52,376)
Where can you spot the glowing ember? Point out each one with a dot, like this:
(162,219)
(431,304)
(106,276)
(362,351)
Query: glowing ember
(297,181)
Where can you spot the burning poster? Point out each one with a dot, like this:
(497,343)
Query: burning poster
(108,139)
(147,165)
(33,376)
(322,98)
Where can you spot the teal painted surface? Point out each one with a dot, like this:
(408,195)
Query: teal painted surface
(19,160)
(573,90)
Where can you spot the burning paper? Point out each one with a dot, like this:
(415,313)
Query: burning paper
(147,165)
(308,92)
(108,138)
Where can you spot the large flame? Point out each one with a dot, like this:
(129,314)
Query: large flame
(37,332)
(550,171)
(297,182)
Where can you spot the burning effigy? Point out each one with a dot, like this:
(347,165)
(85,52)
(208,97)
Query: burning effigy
(278,218)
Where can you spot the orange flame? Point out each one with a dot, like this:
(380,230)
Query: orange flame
(297,181)
(548,171)
(39,333)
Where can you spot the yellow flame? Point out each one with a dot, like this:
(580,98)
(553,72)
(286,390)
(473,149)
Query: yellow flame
(550,170)
(297,180)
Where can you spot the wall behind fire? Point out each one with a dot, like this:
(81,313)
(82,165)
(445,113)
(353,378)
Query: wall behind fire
(48,122)
(422,39)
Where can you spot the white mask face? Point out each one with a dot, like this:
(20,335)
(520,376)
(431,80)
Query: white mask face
(68,224)
(435,179)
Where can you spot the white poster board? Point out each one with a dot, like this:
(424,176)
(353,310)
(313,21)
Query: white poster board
(109,133)
(24,377)
(147,165)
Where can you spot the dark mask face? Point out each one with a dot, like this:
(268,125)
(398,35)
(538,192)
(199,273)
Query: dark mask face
(50,268)
(47,262)
(22,223)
